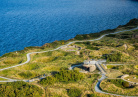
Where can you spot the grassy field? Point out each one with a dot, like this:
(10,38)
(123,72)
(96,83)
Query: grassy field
(44,63)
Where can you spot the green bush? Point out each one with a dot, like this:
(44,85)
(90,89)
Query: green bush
(92,48)
(74,92)
(64,75)
(79,37)
(136,47)
(54,44)
(48,80)
(126,84)
(111,35)
(69,75)
(92,95)
(19,89)
(116,57)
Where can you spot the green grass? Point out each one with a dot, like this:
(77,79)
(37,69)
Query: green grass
(42,64)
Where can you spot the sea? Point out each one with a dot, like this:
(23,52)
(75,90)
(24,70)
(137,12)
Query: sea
(25,23)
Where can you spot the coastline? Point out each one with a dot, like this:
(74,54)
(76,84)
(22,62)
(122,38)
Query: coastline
(130,25)
(97,89)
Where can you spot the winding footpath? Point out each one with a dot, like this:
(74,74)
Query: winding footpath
(97,87)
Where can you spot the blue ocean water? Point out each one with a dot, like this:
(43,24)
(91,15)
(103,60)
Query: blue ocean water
(26,23)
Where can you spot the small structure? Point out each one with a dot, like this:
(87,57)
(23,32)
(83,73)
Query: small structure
(90,64)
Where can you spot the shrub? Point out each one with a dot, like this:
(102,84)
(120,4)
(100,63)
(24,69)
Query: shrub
(74,92)
(79,37)
(69,75)
(64,75)
(116,57)
(89,46)
(92,95)
(136,47)
(19,89)
(111,35)
(126,84)
(48,80)
(92,48)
